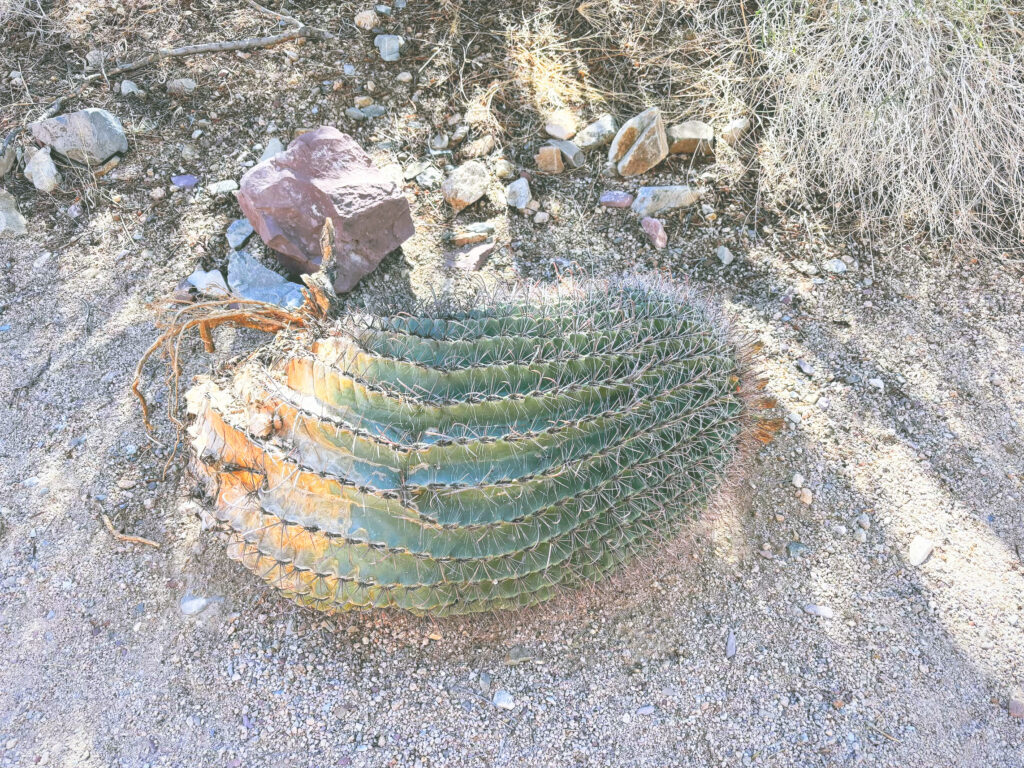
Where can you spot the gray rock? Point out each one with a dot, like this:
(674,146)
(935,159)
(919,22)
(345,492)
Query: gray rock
(730,645)
(251,280)
(465,185)
(390,46)
(374,110)
(221,187)
(597,134)
(725,255)
(573,154)
(11,221)
(503,700)
(7,161)
(238,232)
(860,535)
(42,171)
(354,113)
(805,368)
(95,59)
(517,194)
(646,710)
(864,521)
(835,266)
(920,550)
(429,177)
(274,147)
(129,88)
(795,550)
(191,604)
(89,136)
(650,201)
(181,86)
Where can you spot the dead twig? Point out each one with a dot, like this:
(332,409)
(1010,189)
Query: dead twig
(298,29)
(125,537)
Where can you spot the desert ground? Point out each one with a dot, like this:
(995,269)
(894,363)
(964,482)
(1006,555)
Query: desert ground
(900,381)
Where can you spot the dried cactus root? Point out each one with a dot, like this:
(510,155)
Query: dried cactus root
(465,459)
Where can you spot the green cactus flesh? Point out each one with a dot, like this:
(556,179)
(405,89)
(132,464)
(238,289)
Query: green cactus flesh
(461,460)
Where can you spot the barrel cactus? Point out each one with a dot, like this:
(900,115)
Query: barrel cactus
(463,458)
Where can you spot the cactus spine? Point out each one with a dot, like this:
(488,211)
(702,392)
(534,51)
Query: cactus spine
(458,460)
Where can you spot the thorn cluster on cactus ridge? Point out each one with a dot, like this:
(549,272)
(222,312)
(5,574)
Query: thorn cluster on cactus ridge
(472,456)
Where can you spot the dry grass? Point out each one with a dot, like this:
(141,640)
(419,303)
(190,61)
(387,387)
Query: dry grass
(907,117)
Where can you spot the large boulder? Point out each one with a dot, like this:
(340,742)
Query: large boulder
(90,136)
(326,174)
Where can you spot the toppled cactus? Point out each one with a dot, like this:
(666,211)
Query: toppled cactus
(459,460)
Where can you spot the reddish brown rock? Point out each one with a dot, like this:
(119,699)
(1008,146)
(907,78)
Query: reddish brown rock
(326,174)
(640,144)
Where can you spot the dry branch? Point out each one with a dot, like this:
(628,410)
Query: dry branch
(126,537)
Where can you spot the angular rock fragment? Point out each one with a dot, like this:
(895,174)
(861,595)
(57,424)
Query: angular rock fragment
(42,172)
(572,154)
(89,136)
(390,46)
(613,198)
(465,185)
(549,160)
(251,280)
(560,124)
(640,144)
(11,220)
(691,138)
(597,134)
(326,174)
(655,230)
(650,201)
(7,160)
(517,194)
(479,147)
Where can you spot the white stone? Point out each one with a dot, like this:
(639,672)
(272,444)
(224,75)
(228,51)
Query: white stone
(42,171)
(517,194)
(725,256)
(735,130)
(560,124)
(920,550)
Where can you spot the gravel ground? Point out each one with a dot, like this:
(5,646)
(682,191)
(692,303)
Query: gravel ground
(795,627)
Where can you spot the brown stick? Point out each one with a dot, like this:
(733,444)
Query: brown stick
(245,44)
(207,337)
(125,537)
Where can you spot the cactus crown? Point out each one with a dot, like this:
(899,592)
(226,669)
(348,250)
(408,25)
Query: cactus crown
(467,458)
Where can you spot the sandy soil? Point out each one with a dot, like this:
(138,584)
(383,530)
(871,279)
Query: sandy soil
(907,420)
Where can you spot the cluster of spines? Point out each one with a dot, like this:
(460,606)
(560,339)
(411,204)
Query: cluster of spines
(471,459)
